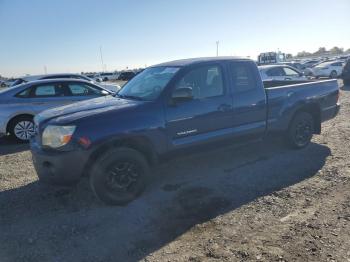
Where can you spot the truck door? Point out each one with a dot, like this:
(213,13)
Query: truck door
(205,117)
(249,100)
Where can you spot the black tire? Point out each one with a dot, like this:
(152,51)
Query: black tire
(333,74)
(300,130)
(119,176)
(14,123)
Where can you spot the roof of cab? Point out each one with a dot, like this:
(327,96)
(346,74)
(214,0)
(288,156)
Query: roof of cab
(191,61)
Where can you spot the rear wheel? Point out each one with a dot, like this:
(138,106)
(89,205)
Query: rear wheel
(119,176)
(22,128)
(300,130)
(333,74)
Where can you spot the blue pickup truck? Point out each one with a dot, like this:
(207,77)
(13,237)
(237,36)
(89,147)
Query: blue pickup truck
(169,108)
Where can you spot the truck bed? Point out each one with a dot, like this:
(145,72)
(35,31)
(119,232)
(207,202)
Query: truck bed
(283,100)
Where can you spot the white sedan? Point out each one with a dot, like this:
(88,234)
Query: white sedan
(331,69)
(280,73)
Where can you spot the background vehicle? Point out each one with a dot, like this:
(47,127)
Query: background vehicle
(331,69)
(295,65)
(271,58)
(346,73)
(18,105)
(7,83)
(126,76)
(310,63)
(169,108)
(26,79)
(280,73)
(95,77)
(109,76)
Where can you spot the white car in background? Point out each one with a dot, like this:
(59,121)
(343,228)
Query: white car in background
(331,69)
(109,76)
(280,73)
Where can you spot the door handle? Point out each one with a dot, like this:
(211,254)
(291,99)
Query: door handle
(287,78)
(38,103)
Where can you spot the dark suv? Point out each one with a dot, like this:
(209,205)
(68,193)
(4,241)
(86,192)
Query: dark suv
(126,76)
(346,73)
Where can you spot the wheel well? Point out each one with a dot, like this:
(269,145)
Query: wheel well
(139,144)
(13,119)
(315,111)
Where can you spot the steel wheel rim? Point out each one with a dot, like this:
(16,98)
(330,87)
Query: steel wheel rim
(24,130)
(122,176)
(303,132)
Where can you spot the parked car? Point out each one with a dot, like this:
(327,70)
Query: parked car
(295,65)
(95,77)
(26,79)
(310,63)
(109,76)
(126,76)
(7,83)
(18,105)
(280,72)
(331,69)
(171,108)
(346,73)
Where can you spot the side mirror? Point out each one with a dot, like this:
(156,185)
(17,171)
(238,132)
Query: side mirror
(105,93)
(182,94)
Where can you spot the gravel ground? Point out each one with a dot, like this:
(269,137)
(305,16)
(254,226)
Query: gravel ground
(260,202)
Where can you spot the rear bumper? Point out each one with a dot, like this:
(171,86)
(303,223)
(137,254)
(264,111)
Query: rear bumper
(330,112)
(58,168)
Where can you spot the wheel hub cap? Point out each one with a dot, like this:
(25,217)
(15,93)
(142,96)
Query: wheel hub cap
(24,130)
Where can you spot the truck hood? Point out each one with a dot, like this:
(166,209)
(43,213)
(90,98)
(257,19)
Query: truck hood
(85,108)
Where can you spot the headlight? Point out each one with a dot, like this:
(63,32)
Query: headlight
(57,136)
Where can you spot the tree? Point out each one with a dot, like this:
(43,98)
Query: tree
(336,50)
(303,54)
(347,51)
(320,51)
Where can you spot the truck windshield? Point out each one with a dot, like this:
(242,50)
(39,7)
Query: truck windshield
(148,84)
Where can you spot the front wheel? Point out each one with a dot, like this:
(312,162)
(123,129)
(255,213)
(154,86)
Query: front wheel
(334,74)
(119,176)
(300,130)
(22,128)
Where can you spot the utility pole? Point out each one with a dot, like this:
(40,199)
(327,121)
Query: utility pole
(217,48)
(102,64)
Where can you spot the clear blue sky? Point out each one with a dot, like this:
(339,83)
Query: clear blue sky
(65,35)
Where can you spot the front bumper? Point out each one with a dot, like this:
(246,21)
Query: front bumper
(58,168)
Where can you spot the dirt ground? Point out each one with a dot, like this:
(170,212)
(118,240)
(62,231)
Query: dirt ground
(261,202)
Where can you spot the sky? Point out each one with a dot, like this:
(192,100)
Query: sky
(66,35)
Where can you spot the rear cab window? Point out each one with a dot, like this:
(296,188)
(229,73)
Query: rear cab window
(243,76)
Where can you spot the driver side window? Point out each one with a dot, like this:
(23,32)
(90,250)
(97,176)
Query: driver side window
(206,81)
